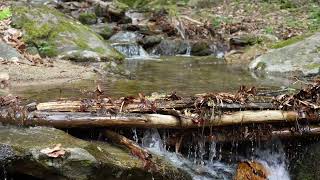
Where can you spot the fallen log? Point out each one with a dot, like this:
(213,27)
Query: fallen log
(84,119)
(79,106)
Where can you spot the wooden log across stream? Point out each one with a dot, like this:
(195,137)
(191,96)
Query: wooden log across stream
(212,110)
(85,119)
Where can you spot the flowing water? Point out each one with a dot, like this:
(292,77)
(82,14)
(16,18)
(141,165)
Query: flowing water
(202,168)
(186,76)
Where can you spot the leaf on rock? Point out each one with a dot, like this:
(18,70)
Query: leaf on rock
(54,152)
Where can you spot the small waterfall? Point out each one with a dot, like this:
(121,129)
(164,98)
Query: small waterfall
(131,50)
(125,43)
(207,169)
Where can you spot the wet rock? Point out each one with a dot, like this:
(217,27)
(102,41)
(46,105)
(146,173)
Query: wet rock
(130,49)
(169,47)
(148,42)
(251,170)
(201,48)
(82,160)
(54,34)
(308,166)
(245,40)
(9,53)
(301,58)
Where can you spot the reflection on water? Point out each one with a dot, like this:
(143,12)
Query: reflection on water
(185,75)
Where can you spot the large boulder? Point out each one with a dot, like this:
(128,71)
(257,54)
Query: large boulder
(54,33)
(302,58)
(48,153)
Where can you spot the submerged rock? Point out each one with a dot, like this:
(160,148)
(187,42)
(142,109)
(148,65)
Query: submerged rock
(24,151)
(301,58)
(55,34)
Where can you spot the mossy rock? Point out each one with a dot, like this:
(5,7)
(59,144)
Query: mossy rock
(54,33)
(88,18)
(245,40)
(21,153)
(299,58)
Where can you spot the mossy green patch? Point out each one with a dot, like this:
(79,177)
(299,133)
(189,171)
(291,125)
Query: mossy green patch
(288,42)
(53,33)
(5,13)
(88,18)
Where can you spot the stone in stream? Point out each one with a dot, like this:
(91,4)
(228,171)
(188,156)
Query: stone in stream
(301,58)
(54,33)
(26,151)
(251,170)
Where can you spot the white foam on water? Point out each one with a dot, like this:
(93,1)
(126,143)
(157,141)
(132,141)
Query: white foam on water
(211,169)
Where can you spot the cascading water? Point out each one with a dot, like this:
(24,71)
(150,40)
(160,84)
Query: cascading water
(131,50)
(125,43)
(201,167)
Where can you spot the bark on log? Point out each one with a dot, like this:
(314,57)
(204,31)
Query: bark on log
(84,120)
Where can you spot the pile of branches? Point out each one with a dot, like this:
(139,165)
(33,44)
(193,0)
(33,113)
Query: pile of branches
(306,100)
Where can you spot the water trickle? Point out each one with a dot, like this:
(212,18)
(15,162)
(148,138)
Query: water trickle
(212,151)
(135,135)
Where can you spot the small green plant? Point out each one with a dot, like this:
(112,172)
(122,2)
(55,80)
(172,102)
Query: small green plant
(218,21)
(47,50)
(5,13)
(269,30)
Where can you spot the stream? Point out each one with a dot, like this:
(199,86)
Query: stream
(186,76)
(182,74)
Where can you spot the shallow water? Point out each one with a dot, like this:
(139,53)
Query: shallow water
(181,74)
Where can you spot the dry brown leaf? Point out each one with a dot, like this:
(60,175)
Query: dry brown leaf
(54,152)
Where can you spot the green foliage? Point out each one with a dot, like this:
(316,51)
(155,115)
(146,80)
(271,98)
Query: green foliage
(314,17)
(5,13)
(47,49)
